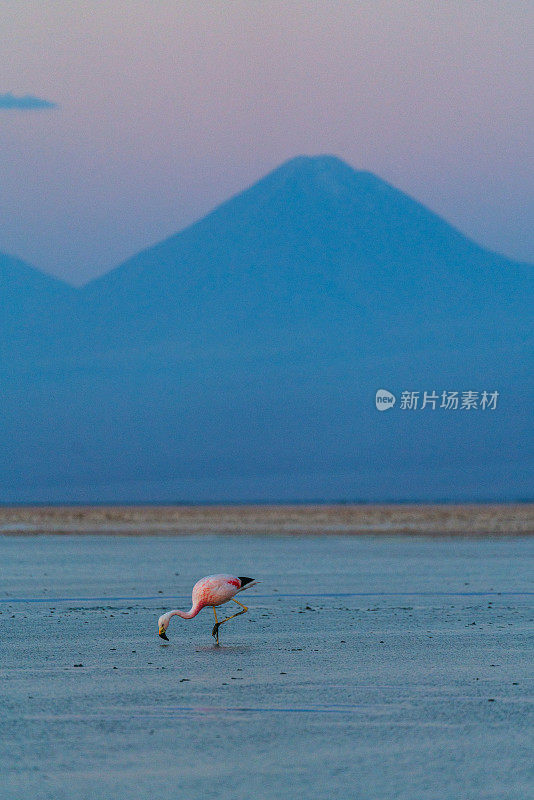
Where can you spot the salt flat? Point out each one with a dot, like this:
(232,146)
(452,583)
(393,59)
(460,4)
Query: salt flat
(350,519)
(368,667)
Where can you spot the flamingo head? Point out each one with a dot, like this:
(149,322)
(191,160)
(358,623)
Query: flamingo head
(163,624)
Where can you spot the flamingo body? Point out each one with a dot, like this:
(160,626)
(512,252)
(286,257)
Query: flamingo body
(212,590)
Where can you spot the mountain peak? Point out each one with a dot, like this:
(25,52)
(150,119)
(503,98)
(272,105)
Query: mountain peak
(324,162)
(325,172)
(309,209)
(319,163)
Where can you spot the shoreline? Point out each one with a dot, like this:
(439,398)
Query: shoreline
(514,519)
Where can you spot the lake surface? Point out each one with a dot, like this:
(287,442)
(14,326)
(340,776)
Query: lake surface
(373,668)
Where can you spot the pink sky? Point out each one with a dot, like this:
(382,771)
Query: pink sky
(167,108)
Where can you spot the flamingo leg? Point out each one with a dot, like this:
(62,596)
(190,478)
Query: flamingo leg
(216,626)
(215,631)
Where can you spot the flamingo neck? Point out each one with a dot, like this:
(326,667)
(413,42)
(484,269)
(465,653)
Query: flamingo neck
(186,614)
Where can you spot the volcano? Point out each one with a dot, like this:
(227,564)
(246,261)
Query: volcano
(239,360)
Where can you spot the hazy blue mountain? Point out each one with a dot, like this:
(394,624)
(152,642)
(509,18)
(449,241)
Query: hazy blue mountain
(33,306)
(25,291)
(311,233)
(239,359)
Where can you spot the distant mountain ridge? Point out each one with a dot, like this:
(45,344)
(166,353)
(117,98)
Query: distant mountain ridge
(17,275)
(239,358)
(325,191)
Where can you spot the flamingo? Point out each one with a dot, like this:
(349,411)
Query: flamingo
(213,590)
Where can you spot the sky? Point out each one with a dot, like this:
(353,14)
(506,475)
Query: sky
(123,122)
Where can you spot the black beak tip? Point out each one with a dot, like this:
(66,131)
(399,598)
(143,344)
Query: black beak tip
(244,581)
(164,636)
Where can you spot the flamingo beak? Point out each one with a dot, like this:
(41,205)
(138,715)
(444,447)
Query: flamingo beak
(163,634)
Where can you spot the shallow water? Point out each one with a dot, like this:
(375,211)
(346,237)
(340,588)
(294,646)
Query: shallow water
(366,668)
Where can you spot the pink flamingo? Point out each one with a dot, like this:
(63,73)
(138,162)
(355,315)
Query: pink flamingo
(213,590)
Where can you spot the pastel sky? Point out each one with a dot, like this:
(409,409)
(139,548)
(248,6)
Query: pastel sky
(164,109)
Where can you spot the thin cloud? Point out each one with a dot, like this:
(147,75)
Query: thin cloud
(25,103)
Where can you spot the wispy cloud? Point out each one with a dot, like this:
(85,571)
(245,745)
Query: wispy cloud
(24,103)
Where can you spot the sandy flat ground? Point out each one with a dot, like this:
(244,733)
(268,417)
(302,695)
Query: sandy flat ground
(512,519)
(367,667)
